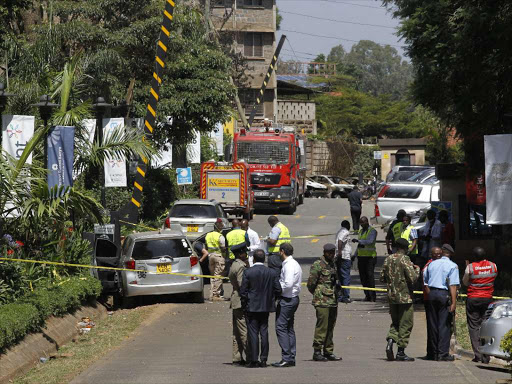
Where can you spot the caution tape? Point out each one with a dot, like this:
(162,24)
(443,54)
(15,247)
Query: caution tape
(189,274)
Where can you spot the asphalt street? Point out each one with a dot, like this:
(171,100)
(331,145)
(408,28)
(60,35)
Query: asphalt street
(191,343)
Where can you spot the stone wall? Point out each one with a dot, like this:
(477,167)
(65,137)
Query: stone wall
(299,113)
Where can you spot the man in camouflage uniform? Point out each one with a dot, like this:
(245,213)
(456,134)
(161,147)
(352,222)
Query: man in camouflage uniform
(399,273)
(322,284)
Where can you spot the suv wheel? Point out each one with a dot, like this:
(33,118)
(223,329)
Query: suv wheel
(197,297)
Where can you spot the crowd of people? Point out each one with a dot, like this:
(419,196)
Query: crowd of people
(417,260)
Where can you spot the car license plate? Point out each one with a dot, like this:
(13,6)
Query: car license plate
(261,193)
(164,268)
(192,228)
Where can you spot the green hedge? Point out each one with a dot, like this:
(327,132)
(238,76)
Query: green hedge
(30,312)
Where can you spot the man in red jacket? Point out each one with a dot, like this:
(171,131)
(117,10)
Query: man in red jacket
(479,276)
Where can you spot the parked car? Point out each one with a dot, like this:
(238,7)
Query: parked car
(427,176)
(194,217)
(315,189)
(338,186)
(404,172)
(498,321)
(147,253)
(410,197)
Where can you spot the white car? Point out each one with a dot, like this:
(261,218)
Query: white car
(338,186)
(410,197)
(315,189)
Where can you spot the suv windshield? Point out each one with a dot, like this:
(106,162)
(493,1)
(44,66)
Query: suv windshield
(402,192)
(154,249)
(263,152)
(193,211)
(421,175)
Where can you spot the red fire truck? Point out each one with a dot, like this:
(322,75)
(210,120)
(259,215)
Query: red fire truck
(277,165)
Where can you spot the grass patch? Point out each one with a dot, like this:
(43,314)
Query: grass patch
(462,326)
(106,335)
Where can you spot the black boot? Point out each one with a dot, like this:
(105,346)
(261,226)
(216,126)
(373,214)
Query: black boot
(401,356)
(389,350)
(317,356)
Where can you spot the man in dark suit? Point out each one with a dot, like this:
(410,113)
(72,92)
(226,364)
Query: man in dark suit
(258,293)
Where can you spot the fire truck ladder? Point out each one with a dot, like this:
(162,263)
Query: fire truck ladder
(271,68)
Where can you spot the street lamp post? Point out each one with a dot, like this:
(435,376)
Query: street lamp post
(46,108)
(100,108)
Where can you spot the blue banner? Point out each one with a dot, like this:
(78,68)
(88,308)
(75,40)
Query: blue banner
(60,146)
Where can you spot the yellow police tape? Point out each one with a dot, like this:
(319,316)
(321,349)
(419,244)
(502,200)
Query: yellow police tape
(186,274)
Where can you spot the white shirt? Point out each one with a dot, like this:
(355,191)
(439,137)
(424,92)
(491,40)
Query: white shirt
(291,278)
(344,235)
(254,240)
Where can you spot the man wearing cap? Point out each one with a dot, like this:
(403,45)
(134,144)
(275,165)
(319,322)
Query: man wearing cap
(279,234)
(394,231)
(399,274)
(479,276)
(322,284)
(290,280)
(216,244)
(441,279)
(235,275)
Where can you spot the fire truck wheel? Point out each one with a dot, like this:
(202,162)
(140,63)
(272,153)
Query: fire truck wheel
(291,209)
(301,199)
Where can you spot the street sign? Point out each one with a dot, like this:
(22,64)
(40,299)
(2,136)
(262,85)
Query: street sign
(377,155)
(184,175)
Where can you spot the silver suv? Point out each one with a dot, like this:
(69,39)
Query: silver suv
(194,217)
(411,197)
(403,172)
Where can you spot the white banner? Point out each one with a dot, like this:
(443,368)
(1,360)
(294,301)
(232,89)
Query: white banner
(498,178)
(90,128)
(218,136)
(115,167)
(162,159)
(194,149)
(16,133)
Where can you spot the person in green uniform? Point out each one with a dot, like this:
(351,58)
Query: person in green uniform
(322,284)
(399,274)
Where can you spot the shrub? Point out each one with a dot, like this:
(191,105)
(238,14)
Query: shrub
(16,320)
(506,345)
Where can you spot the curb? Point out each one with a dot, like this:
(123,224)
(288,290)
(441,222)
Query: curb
(57,332)
(470,355)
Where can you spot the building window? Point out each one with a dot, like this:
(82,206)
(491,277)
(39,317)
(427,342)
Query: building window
(253,3)
(249,99)
(253,44)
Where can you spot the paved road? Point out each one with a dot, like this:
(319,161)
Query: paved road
(191,343)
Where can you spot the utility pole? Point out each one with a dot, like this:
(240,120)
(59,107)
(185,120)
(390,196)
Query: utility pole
(207,15)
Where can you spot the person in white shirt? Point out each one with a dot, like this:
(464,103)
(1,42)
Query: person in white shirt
(254,239)
(290,280)
(343,260)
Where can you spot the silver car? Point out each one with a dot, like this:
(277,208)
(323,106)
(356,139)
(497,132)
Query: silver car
(498,322)
(194,217)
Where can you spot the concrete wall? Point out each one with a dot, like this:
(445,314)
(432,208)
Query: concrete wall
(301,114)
(318,157)
(386,158)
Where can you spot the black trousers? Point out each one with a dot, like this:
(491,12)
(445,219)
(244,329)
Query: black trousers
(430,344)
(257,327)
(356,215)
(366,267)
(439,318)
(475,311)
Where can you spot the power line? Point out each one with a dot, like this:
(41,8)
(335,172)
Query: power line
(335,37)
(304,53)
(342,2)
(293,50)
(337,21)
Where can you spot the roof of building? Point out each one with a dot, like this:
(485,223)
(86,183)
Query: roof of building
(412,142)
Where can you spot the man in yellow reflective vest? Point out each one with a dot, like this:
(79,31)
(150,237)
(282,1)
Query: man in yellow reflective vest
(394,231)
(278,235)
(234,237)
(367,257)
(216,244)
(409,233)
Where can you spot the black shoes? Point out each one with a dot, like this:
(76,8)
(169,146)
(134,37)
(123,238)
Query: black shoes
(401,356)
(430,357)
(241,362)
(284,364)
(332,357)
(253,364)
(389,350)
(446,358)
(317,356)
(263,364)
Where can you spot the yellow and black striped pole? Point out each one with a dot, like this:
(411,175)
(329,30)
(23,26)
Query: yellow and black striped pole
(130,211)
(271,68)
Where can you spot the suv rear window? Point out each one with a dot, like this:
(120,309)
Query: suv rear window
(194,211)
(154,249)
(402,192)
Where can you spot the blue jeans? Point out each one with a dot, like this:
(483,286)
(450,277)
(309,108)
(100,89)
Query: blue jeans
(285,318)
(344,266)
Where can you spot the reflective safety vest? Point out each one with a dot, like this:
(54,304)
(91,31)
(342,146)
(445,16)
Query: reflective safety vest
(369,250)
(284,237)
(407,236)
(235,237)
(481,279)
(397,231)
(213,242)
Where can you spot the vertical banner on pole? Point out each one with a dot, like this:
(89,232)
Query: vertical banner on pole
(498,178)
(60,144)
(17,131)
(218,136)
(194,149)
(115,167)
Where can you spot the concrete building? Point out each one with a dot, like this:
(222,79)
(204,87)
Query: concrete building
(401,152)
(252,23)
